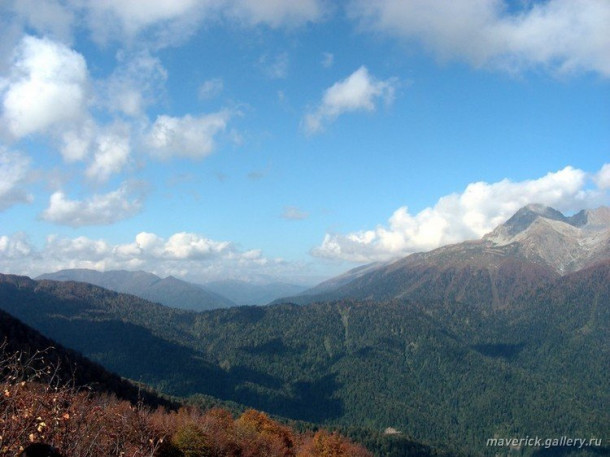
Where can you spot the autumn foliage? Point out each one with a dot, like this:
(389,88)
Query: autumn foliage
(36,407)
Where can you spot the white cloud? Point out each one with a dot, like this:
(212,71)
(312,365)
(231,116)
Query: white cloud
(14,248)
(186,136)
(14,168)
(102,209)
(360,91)
(602,178)
(170,21)
(211,88)
(189,255)
(166,23)
(45,75)
(107,149)
(49,18)
(76,142)
(467,215)
(135,84)
(564,35)
(112,150)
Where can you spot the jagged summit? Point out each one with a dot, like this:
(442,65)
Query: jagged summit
(546,236)
(594,218)
(591,219)
(524,218)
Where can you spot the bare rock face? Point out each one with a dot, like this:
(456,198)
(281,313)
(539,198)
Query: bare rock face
(565,244)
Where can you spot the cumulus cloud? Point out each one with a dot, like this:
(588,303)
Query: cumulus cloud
(563,35)
(602,178)
(15,247)
(190,255)
(360,91)
(186,136)
(112,150)
(75,143)
(462,216)
(44,75)
(14,168)
(101,209)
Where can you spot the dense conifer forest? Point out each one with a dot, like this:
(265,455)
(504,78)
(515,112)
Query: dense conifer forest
(449,376)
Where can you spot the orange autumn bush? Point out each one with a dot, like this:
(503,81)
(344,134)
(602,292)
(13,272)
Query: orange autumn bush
(35,406)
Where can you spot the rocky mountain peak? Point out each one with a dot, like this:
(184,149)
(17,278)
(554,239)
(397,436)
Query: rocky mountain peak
(524,218)
(592,218)
(546,236)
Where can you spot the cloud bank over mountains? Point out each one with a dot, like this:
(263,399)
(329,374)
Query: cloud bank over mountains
(467,215)
(184,254)
(454,218)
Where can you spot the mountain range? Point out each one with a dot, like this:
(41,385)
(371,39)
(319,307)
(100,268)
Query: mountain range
(176,293)
(168,291)
(505,336)
(535,246)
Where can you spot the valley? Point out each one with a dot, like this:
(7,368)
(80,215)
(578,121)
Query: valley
(448,348)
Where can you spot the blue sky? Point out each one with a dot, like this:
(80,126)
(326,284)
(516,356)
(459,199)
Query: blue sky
(279,140)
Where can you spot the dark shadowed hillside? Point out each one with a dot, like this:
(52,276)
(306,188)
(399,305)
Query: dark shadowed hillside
(440,371)
(69,367)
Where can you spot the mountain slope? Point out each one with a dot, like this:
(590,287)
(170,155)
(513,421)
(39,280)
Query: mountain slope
(432,371)
(169,291)
(536,245)
(565,244)
(71,367)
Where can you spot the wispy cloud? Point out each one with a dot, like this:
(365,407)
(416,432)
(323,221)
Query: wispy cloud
(292,213)
(277,13)
(328,59)
(275,67)
(14,168)
(136,83)
(210,88)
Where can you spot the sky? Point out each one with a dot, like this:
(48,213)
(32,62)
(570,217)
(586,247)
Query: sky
(277,140)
